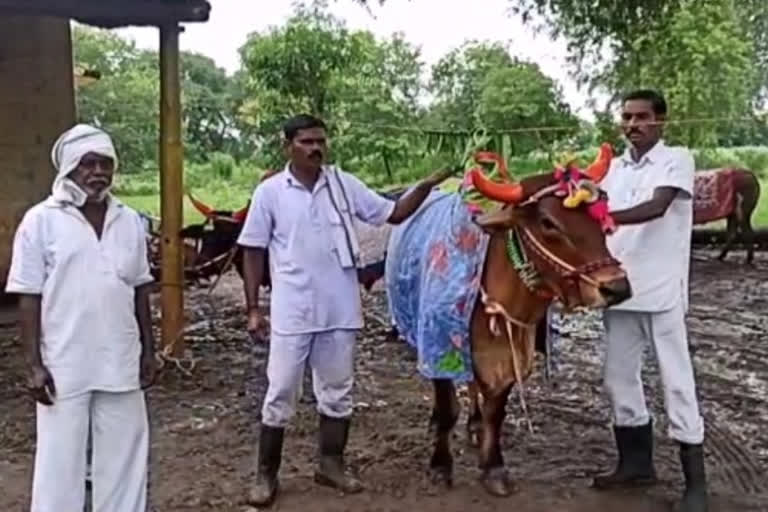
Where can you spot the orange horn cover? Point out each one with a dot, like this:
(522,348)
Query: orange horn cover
(240,214)
(488,157)
(599,168)
(206,210)
(504,192)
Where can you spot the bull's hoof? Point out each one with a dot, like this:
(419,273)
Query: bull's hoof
(497,483)
(441,469)
(441,475)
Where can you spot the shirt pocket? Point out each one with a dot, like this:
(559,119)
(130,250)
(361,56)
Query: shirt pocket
(126,258)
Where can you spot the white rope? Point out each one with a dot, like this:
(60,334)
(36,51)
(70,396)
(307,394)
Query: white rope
(494,309)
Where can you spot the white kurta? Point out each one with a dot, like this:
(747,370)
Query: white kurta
(311,290)
(315,303)
(656,256)
(90,343)
(90,335)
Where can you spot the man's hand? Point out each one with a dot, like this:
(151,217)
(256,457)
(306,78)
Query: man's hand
(255,324)
(439,176)
(41,384)
(410,202)
(148,371)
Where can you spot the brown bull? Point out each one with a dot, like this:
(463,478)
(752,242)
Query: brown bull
(566,248)
(731,194)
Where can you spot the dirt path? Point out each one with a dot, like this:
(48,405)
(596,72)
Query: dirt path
(204,425)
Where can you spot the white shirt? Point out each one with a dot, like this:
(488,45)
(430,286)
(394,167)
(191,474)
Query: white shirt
(311,290)
(655,254)
(89,332)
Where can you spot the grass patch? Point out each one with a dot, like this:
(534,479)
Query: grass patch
(226,185)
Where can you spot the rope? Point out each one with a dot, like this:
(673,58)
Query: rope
(549,128)
(494,309)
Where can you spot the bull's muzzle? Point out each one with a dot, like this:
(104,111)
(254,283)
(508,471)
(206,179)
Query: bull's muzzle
(615,291)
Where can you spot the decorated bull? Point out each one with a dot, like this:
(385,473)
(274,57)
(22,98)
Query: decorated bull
(468,285)
(731,194)
(217,237)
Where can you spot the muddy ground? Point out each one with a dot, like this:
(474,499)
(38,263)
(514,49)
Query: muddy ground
(205,424)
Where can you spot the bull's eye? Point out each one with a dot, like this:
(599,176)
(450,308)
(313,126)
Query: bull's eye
(548,225)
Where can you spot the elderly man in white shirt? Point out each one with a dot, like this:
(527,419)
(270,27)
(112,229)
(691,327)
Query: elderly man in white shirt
(650,190)
(304,217)
(79,264)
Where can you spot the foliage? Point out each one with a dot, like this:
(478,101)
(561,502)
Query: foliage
(693,50)
(362,87)
(142,190)
(125,101)
(705,56)
(480,86)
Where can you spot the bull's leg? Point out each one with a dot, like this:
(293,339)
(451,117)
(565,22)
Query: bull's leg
(392,334)
(749,239)
(730,235)
(494,478)
(444,417)
(474,421)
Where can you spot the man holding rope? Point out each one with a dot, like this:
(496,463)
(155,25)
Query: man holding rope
(81,269)
(304,217)
(650,190)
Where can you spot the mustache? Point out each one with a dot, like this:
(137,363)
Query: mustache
(316,153)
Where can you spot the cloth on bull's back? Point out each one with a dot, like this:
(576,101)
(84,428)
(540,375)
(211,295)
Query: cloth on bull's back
(713,195)
(433,269)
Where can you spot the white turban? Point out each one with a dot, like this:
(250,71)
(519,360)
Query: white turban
(67,151)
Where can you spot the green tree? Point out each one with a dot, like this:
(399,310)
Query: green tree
(360,86)
(125,101)
(479,85)
(709,56)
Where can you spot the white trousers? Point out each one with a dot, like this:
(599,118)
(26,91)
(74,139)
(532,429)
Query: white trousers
(120,432)
(628,334)
(331,357)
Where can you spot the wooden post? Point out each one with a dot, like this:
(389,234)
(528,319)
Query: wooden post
(171,191)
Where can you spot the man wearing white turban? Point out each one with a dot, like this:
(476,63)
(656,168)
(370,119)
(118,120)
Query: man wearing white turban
(79,265)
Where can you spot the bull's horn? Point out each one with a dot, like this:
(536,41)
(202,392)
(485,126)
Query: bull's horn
(206,210)
(240,214)
(599,168)
(488,157)
(504,192)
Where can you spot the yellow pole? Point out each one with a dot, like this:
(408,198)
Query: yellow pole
(171,191)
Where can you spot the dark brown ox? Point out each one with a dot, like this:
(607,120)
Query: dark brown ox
(731,194)
(566,247)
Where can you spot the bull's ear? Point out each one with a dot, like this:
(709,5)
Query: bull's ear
(498,220)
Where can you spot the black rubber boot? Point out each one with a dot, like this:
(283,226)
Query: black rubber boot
(264,489)
(635,466)
(333,435)
(695,495)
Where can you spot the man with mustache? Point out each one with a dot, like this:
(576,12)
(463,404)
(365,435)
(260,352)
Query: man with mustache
(80,267)
(650,190)
(304,216)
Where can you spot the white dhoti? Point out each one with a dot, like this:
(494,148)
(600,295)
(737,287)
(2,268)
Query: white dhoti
(331,356)
(120,430)
(628,333)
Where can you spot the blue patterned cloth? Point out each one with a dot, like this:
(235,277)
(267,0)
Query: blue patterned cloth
(433,269)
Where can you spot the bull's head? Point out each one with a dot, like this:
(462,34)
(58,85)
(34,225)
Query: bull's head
(561,220)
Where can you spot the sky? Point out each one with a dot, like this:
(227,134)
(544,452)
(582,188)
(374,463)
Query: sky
(435,26)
